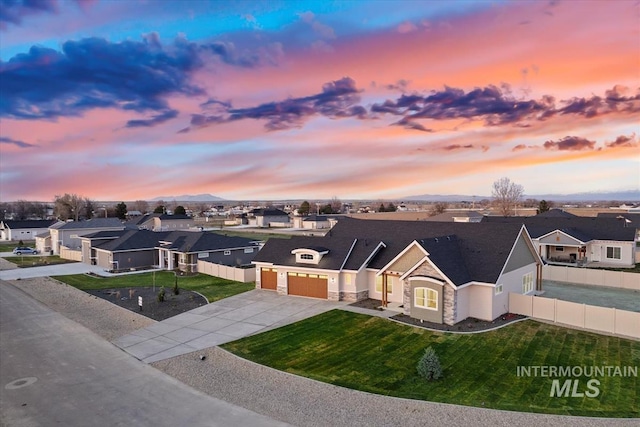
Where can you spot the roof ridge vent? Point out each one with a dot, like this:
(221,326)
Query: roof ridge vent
(436,239)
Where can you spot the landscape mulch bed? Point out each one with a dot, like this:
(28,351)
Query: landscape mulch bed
(468,325)
(151,307)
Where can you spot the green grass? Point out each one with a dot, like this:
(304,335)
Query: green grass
(36,261)
(8,247)
(378,356)
(213,288)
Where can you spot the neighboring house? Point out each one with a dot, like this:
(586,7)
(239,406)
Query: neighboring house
(578,241)
(314,222)
(17,230)
(161,222)
(457,216)
(437,271)
(68,233)
(170,250)
(268,217)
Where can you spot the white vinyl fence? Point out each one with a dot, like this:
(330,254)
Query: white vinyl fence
(592,276)
(600,319)
(71,254)
(244,275)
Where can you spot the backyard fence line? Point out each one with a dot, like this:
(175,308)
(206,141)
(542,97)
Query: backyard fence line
(612,321)
(244,275)
(70,254)
(592,276)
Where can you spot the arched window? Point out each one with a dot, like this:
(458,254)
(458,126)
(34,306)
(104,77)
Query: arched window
(425,298)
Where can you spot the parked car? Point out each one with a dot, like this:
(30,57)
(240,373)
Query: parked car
(24,250)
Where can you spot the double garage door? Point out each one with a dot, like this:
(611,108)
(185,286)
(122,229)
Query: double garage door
(300,284)
(307,285)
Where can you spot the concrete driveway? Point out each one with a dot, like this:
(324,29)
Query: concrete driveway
(220,322)
(49,270)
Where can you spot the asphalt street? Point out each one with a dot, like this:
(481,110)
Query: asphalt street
(54,371)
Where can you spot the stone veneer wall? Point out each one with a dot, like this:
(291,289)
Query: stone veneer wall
(450,303)
(282,290)
(334,296)
(354,296)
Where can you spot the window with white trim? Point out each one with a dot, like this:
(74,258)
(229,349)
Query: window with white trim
(425,298)
(248,250)
(614,252)
(498,289)
(527,283)
(306,256)
(203,254)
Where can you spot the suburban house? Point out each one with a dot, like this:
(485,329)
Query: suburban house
(442,272)
(314,222)
(565,239)
(269,217)
(17,230)
(68,234)
(161,222)
(170,250)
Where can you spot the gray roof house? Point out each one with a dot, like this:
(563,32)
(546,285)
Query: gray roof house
(577,240)
(16,230)
(171,250)
(267,217)
(442,272)
(68,234)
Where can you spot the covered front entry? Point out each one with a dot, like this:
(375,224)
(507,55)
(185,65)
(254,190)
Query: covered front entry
(269,278)
(308,285)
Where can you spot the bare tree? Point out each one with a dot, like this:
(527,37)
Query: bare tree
(70,206)
(438,208)
(506,195)
(336,205)
(141,205)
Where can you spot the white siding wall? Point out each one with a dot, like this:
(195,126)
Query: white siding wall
(463,304)
(511,282)
(597,251)
(480,302)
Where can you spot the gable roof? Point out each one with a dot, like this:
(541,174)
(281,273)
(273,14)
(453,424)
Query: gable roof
(449,216)
(582,228)
(28,223)
(190,241)
(556,213)
(480,249)
(90,223)
(269,212)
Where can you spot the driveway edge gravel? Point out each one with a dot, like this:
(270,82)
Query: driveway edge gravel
(280,395)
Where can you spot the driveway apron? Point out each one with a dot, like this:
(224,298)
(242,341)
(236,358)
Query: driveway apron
(220,322)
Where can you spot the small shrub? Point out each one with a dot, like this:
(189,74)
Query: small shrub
(429,366)
(161,295)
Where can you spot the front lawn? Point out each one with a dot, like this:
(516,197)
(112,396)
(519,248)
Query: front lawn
(378,356)
(8,247)
(213,288)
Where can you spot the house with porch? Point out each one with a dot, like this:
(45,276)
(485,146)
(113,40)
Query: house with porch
(434,271)
(169,250)
(566,239)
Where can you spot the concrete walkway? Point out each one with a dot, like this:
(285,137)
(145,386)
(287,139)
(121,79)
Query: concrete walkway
(50,270)
(220,322)
(622,299)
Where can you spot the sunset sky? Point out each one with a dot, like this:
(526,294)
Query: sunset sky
(126,100)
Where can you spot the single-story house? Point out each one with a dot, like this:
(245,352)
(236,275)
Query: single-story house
(68,233)
(314,222)
(457,216)
(436,271)
(565,239)
(16,230)
(161,222)
(170,250)
(267,217)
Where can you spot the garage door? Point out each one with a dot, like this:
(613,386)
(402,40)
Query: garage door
(307,285)
(269,278)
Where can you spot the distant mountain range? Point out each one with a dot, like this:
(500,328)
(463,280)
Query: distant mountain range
(622,196)
(189,198)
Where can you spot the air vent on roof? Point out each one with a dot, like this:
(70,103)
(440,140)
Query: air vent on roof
(436,239)
(448,237)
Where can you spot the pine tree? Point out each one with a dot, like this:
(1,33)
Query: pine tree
(429,366)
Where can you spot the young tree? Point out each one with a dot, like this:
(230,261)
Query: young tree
(160,209)
(506,195)
(429,365)
(382,208)
(179,210)
(121,210)
(543,206)
(326,209)
(438,208)
(304,208)
(391,207)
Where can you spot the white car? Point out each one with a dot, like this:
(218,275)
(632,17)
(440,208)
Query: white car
(23,250)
